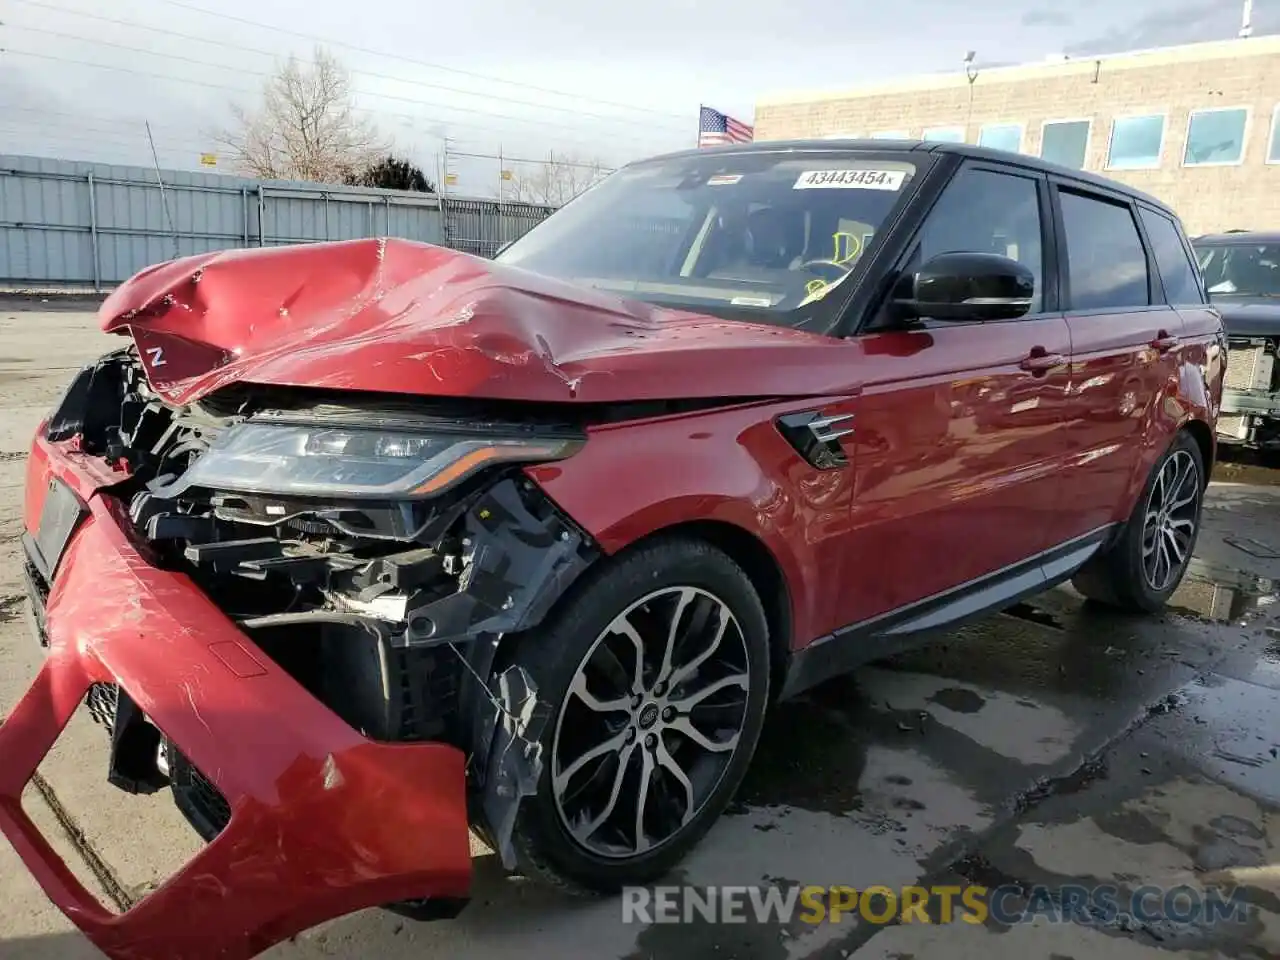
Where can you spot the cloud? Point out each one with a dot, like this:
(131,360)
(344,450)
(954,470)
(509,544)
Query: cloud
(1170,26)
(1047,18)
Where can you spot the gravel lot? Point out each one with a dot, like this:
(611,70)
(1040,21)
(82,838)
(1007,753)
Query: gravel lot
(1054,744)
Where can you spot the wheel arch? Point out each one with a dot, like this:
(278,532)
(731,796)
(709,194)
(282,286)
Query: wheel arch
(1203,436)
(750,552)
(762,569)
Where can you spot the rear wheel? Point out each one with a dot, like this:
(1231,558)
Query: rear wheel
(657,672)
(1145,564)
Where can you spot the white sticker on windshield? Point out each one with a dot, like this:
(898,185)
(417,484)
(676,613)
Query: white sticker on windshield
(850,180)
(751,302)
(724,179)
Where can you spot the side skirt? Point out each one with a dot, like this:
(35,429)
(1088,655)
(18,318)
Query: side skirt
(860,643)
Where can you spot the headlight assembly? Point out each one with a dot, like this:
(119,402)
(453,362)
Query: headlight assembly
(354,461)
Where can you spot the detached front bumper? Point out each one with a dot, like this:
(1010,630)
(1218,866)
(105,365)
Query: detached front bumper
(323,822)
(1257,402)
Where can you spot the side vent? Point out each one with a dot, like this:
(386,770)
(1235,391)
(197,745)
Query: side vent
(817,438)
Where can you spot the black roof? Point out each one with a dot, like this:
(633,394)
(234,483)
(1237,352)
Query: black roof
(927,146)
(1239,236)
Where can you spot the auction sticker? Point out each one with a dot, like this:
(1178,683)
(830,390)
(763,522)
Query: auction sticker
(724,179)
(850,180)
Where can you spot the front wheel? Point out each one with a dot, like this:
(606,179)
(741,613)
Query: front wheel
(657,673)
(1142,568)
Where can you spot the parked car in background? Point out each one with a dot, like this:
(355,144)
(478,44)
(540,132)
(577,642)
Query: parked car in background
(356,545)
(1242,276)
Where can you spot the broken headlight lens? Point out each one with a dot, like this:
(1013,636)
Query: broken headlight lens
(316,460)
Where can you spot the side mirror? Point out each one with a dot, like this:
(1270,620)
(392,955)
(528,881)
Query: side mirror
(968,287)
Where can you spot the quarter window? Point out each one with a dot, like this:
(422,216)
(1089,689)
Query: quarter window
(1136,143)
(1215,137)
(1181,277)
(983,211)
(1106,263)
(1065,142)
(945,135)
(1001,136)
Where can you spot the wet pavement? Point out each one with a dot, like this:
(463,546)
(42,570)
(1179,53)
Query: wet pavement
(1056,747)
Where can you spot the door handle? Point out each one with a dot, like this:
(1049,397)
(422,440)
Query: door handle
(1164,342)
(1040,362)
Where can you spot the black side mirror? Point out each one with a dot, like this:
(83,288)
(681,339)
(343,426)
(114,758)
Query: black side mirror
(968,287)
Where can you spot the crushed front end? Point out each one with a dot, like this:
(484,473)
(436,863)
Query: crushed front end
(285,608)
(1251,395)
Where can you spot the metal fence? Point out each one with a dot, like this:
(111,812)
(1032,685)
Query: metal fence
(90,225)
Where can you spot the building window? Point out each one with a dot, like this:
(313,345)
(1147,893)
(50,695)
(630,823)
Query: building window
(945,134)
(891,135)
(1136,142)
(1065,142)
(1273,148)
(1001,136)
(1216,137)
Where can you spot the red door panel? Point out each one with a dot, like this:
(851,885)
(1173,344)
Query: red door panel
(958,456)
(1124,369)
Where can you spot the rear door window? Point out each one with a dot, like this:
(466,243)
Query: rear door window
(1106,262)
(1178,272)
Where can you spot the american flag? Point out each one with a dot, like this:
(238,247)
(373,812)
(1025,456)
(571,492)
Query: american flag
(716,129)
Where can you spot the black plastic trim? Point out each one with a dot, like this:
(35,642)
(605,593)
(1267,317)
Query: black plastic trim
(60,517)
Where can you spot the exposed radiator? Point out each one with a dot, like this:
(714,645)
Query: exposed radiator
(1249,366)
(1233,425)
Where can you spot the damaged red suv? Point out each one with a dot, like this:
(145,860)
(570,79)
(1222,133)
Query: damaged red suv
(357,545)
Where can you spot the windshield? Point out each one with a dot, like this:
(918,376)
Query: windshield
(1241,269)
(759,236)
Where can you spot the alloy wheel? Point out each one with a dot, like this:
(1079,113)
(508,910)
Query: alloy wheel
(651,722)
(1169,525)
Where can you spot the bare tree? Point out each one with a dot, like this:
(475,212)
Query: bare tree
(557,180)
(306,127)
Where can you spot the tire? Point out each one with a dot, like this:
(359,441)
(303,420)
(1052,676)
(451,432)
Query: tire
(1121,576)
(576,639)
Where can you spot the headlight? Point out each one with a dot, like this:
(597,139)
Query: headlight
(345,461)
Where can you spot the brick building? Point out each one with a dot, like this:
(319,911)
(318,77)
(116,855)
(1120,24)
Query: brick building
(1197,126)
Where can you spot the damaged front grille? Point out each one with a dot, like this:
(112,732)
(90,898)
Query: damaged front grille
(1250,365)
(102,701)
(196,796)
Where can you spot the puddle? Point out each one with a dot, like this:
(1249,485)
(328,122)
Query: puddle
(1227,730)
(1222,594)
(820,771)
(958,699)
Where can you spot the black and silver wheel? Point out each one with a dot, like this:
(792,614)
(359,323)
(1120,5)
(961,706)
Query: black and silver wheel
(1146,563)
(657,672)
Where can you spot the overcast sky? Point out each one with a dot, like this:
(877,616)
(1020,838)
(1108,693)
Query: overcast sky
(599,79)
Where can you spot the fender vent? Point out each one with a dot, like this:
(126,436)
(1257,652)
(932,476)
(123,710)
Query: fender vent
(816,437)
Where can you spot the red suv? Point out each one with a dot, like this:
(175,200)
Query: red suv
(357,545)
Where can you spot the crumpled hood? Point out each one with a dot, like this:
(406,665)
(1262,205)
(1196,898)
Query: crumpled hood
(403,317)
(1249,317)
